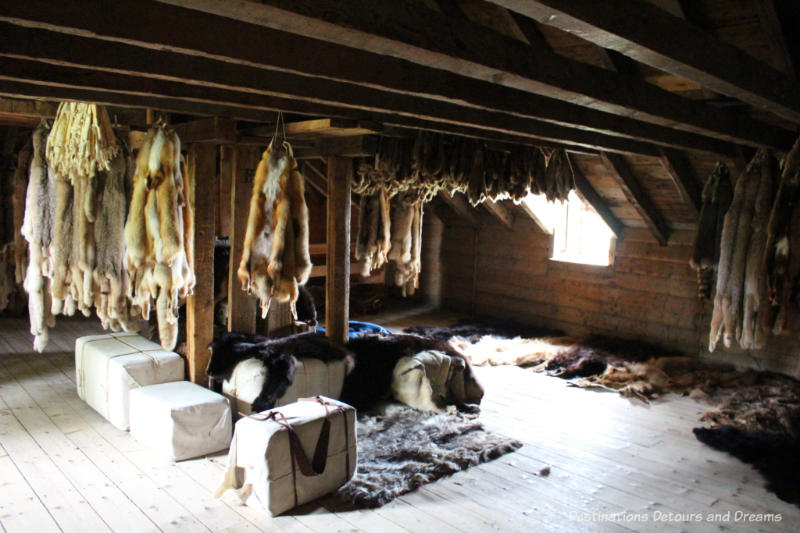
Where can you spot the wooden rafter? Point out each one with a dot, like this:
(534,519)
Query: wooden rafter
(683,177)
(690,52)
(70,50)
(56,79)
(471,50)
(636,195)
(528,211)
(499,212)
(332,62)
(589,195)
(461,207)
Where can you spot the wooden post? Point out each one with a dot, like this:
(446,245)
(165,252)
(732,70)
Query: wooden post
(200,305)
(279,320)
(241,307)
(337,282)
(226,158)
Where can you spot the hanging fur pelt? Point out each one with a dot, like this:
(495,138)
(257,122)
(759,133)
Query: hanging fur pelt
(155,256)
(82,141)
(37,230)
(741,243)
(717,195)
(374,231)
(406,249)
(275,257)
(20,189)
(778,248)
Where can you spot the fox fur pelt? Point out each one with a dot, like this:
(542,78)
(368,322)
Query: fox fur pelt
(279,357)
(275,257)
(374,231)
(717,195)
(155,255)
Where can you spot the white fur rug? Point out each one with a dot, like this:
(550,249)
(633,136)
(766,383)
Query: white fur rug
(404,449)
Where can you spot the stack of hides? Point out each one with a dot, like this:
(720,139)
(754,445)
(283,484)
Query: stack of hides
(275,258)
(372,369)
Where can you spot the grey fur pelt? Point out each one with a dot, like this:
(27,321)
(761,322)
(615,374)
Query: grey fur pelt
(403,449)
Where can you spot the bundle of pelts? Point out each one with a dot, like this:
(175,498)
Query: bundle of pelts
(717,196)
(73,222)
(275,258)
(406,250)
(159,227)
(741,292)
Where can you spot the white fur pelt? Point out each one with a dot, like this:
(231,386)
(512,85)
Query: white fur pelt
(275,257)
(20,190)
(155,255)
(402,449)
(37,230)
(492,350)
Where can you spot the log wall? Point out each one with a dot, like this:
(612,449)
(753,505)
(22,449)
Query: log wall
(649,293)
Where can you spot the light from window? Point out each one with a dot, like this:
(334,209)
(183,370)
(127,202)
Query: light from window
(579,234)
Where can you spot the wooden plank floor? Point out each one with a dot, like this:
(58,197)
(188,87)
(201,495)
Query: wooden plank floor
(64,468)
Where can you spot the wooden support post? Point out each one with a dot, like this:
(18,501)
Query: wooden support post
(241,307)
(200,305)
(279,320)
(226,158)
(337,282)
(636,195)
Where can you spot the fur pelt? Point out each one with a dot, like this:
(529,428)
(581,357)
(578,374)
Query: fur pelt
(306,307)
(155,231)
(37,230)
(374,231)
(403,449)
(20,188)
(406,242)
(774,456)
(474,329)
(518,351)
(275,257)
(279,357)
(717,195)
(376,357)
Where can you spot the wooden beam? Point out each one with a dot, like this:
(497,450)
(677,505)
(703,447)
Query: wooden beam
(773,25)
(337,281)
(241,306)
(200,305)
(528,211)
(315,178)
(689,52)
(498,211)
(678,168)
(471,50)
(215,129)
(164,56)
(461,207)
(35,109)
(589,195)
(623,175)
(55,79)
(358,146)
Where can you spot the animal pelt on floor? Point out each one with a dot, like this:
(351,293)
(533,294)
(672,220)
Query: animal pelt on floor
(518,351)
(403,449)
(775,456)
(473,329)
(279,356)
(376,357)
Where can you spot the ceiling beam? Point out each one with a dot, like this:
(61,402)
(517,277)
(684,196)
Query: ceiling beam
(553,76)
(636,195)
(461,207)
(498,211)
(468,49)
(682,175)
(689,52)
(589,195)
(73,51)
(499,126)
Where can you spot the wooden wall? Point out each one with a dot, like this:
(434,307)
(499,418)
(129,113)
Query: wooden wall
(649,293)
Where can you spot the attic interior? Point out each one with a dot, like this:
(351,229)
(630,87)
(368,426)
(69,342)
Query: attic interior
(541,256)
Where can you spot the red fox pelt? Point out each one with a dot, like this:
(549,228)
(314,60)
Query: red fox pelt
(155,232)
(275,256)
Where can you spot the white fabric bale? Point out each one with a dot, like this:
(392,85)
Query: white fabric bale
(312,377)
(108,366)
(260,463)
(180,420)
